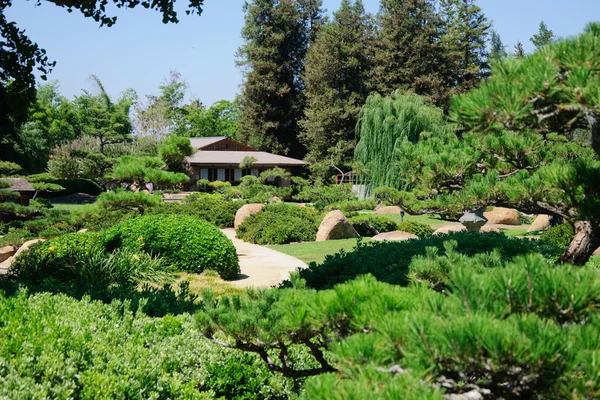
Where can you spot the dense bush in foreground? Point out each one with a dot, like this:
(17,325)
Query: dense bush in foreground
(525,328)
(389,262)
(560,235)
(279,224)
(53,346)
(187,243)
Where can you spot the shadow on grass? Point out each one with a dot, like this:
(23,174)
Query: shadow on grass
(152,301)
(389,261)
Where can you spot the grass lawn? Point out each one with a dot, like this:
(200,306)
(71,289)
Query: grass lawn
(207,280)
(70,207)
(316,251)
(430,219)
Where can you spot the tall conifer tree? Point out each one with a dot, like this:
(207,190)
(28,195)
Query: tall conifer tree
(465,38)
(543,37)
(497,48)
(276,37)
(335,74)
(409,54)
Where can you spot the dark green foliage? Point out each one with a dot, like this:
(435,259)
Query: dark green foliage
(276,37)
(279,224)
(78,185)
(544,36)
(8,195)
(185,242)
(213,208)
(498,50)
(416,228)
(81,259)
(337,67)
(8,168)
(124,200)
(389,262)
(352,205)
(559,235)
(324,195)
(173,152)
(371,225)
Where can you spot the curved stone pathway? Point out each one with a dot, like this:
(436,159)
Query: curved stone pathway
(260,266)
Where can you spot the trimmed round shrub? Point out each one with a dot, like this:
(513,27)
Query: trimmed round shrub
(77,185)
(352,205)
(416,228)
(280,223)
(187,243)
(371,225)
(559,235)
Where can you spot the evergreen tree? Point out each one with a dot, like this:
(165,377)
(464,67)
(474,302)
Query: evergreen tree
(497,48)
(519,50)
(276,37)
(408,52)
(543,37)
(465,38)
(336,73)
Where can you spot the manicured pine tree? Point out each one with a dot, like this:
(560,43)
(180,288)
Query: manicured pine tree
(276,36)
(465,37)
(336,73)
(408,51)
(543,37)
(497,48)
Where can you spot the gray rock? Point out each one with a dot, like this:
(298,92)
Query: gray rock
(473,220)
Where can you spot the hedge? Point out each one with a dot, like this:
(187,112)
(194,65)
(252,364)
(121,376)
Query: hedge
(187,243)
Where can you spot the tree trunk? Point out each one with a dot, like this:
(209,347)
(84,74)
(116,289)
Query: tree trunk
(584,243)
(595,128)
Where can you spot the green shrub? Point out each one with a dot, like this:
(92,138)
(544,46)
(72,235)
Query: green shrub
(416,228)
(209,207)
(58,347)
(77,185)
(325,195)
(81,259)
(371,225)
(389,261)
(280,223)
(559,235)
(187,243)
(125,200)
(352,205)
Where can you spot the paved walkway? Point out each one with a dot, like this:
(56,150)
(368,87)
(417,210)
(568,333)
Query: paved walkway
(260,266)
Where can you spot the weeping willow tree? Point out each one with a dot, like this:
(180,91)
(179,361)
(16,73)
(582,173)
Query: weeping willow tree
(385,126)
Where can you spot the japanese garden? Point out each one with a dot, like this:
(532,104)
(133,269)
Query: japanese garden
(394,205)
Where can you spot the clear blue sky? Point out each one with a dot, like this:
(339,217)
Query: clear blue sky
(139,50)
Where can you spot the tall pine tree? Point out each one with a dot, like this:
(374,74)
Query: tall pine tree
(519,50)
(465,38)
(543,37)
(497,48)
(335,75)
(276,37)
(409,54)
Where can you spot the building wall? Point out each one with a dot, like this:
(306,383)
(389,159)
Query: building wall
(228,174)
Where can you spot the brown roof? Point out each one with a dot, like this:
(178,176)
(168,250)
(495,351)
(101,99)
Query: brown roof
(18,184)
(236,157)
(200,142)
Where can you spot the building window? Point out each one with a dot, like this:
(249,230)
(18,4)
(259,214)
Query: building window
(237,174)
(203,173)
(220,174)
(254,172)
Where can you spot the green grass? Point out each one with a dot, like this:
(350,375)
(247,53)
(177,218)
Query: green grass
(71,207)
(316,251)
(432,220)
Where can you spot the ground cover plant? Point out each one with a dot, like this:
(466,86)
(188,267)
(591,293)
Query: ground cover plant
(279,224)
(185,242)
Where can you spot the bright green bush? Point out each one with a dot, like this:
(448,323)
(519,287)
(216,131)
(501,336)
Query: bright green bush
(321,195)
(371,225)
(416,228)
(280,223)
(187,243)
(80,258)
(209,207)
(389,261)
(352,205)
(559,235)
(57,347)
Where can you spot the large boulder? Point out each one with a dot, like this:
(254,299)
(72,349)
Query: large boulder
(388,210)
(450,228)
(246,211)
(541,223)
(394,236)
(503,216)
(6,252)
(488,229)
(335,225)
(5,265)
